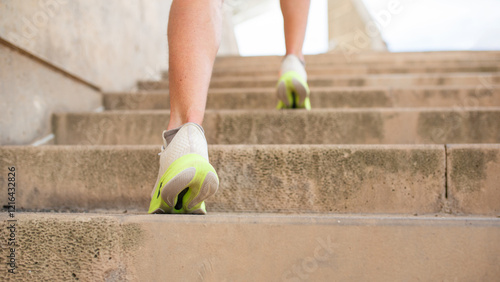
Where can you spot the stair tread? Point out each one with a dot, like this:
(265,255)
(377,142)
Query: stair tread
(478,79)
(273,218)
(322,97)
(257,247)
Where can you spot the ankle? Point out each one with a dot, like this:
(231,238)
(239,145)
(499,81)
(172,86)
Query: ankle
(299,55)
(177,121)
(293,63)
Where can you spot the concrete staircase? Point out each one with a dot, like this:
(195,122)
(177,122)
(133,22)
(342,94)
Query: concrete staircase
(393,176)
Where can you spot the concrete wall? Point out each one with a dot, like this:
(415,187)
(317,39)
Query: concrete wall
(351,28)
(110,43)
(56,54)
(30,91)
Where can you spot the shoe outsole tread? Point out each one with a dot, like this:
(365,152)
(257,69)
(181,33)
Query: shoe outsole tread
(293,92)
(191,172)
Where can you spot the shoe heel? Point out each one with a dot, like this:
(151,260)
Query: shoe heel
(302,97)
(190,179)
(292,92)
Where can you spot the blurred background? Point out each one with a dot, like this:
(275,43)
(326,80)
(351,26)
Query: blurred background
(404,25)
(113,43)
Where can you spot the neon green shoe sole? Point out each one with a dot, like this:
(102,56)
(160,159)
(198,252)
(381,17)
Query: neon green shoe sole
(185,185)
(293,92)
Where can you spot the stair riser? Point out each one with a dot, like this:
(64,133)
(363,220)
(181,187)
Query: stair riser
(347,179)
(480,80)
(248,248)
(245,71)
(473,178)
(377,126)
(378,58)
(349,62)
(322,98)
(299,179)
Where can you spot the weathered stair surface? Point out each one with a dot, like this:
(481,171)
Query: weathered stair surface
(368,59)
(384,68)
(404,179)
(321,126)
(471,169)
(477,79)
(266,247)
(323,97)
(393,176)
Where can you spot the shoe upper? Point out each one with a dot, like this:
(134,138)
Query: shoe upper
(189,139)
(292,63)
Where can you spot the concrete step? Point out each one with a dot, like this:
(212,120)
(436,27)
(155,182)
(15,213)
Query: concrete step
(353,69)
(473,176)
(424,212)
(320,126)
(456,79)
(373,58)
(322,97)
(242,247)
(377,179)
(402,179)
(379,56)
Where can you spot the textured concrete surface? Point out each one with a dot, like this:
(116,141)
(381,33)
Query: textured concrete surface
(322,97)
(423,201)
(282,178)
(371,58)
(320,126)
(220,247)
(109,43)
(396,80)
(30,92)
(474,178)
(335,69)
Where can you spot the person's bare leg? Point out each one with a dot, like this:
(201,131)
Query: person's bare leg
(295,14)
(194,32)
(292,89)
(185,176)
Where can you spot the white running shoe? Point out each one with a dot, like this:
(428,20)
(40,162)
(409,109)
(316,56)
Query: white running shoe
(186,177)
(292,89)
